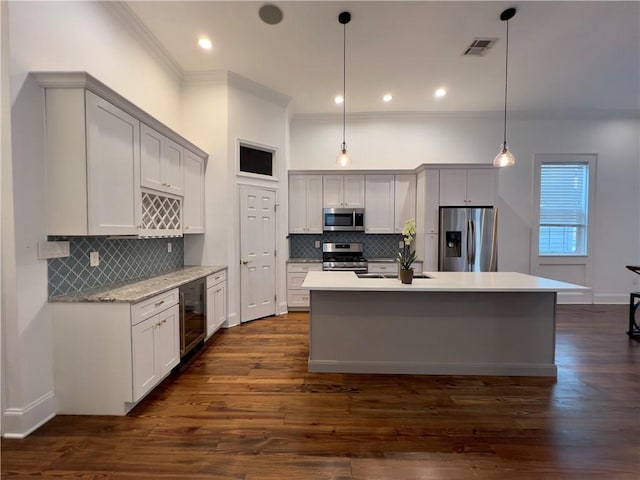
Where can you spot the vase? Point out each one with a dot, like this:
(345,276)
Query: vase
(406,276)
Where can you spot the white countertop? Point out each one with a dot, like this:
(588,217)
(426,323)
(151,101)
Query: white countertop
(440,282)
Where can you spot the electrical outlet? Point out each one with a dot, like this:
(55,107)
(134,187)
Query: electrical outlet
(94,259)
(400,244)
(169,249)
(317,243)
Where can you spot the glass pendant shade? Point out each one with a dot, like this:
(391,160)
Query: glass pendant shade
(344,159)
(504,158)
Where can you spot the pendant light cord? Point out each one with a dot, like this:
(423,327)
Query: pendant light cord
(344,82)
(506,70)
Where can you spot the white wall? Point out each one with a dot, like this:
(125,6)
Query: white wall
(404,142)
(91,37)
(256,116)
(54,36)
(204,122)
(217,111)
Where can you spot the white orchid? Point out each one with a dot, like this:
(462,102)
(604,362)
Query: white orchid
(405,256)
(409,231)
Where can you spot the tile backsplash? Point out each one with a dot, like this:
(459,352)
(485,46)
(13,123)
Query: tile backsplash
(120,259)
(303,246)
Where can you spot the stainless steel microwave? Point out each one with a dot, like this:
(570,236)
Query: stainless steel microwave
(343,220)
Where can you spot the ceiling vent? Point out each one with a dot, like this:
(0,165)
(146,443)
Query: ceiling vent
(480,46)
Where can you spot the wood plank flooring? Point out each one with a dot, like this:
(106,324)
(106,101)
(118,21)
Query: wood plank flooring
(247,409)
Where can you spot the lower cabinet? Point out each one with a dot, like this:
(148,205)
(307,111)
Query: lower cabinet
(109,355)
(155,349)
(216,301)
(297,297)
(390,268)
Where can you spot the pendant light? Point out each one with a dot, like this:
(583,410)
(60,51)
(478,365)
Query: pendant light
(343,159)
(505,157)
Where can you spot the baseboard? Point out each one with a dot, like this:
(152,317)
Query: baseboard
(20,422)
(503,369)
(584,298)
(232,321)
(282,308)
(611,298)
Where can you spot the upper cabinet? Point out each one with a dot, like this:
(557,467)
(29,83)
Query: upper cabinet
(161,162)
(111,168)
(405,200)
(193,202)
(305,203)
(390,202)
(341,191)
(468,187)
(379,204)
(92,157)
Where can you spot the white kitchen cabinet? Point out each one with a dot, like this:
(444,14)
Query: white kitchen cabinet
(391,268)
(92,154)
(343,191)
(216,301)
(305,204)
(431,252)
(93,162)
(155,345)
(193,202)
(431,216)
(468,187)
(161,162)
(405,200)
(109,355)
(379,203)
(297,297)
(385,268)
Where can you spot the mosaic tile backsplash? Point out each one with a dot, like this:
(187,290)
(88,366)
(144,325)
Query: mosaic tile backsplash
(120,259)
(303,246)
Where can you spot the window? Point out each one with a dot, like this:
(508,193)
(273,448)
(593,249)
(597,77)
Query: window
(256,160)
(563,188)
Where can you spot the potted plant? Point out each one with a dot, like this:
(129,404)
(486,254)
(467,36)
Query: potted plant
(406,256)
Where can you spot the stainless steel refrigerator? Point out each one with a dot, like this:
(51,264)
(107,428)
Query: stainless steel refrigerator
(468,239)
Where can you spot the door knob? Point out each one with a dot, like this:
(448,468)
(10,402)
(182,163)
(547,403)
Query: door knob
(245,262)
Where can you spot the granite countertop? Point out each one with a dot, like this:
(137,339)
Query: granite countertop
(304,260)
(134,291)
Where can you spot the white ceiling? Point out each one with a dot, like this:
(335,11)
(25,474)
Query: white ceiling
(563,56)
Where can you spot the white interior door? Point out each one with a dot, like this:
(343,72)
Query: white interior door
(257,248)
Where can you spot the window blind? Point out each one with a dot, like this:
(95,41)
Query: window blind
(563,208)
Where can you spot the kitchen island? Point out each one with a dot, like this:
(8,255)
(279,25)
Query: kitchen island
(453,323)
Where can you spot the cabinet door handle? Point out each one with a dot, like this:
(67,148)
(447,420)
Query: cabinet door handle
(157,304)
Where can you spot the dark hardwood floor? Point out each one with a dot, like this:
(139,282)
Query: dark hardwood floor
(248,409)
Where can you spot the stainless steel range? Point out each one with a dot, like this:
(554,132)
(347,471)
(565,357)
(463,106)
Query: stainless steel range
(343,257)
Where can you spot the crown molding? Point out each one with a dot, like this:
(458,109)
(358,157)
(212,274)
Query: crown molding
(84,80)
(121,11)
(585,114)
(206,77)
(255,88)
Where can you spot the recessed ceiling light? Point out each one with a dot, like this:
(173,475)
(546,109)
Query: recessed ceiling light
(205,43)
(339,99)
(441,92)
(387,97)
